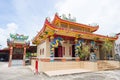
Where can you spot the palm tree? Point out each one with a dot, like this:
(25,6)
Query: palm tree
(107,47)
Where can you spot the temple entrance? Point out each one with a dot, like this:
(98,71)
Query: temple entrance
(17,57)
(73,50)
(18,53)
(58,52)
(17,45)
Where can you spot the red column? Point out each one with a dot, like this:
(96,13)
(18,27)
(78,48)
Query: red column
(24,56)
(70,50)
(10,56)
(63,51)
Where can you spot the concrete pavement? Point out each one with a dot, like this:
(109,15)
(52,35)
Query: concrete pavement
(25,73)
(65,72)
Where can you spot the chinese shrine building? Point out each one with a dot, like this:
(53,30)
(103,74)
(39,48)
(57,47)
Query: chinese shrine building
(60,40)
(17,45)
(68,33)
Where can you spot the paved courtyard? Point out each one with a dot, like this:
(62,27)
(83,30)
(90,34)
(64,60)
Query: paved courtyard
(24,73)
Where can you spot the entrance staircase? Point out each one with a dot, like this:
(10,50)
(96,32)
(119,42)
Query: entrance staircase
(105,65)
(17,62)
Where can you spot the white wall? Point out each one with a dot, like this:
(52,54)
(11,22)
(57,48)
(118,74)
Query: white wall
(46,46)
(66,45)
(41,46)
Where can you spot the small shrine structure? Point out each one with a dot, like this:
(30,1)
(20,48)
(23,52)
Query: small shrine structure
(17,44)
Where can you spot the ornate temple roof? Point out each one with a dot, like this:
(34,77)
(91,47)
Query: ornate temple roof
(52,28)
(73,22)
(16,39)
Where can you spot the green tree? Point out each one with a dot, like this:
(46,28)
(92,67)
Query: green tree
(28,55)
(84,51)
(107,47)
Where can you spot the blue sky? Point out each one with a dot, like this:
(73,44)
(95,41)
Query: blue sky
(27,16)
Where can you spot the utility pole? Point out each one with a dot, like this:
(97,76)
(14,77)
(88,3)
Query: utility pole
(0,46)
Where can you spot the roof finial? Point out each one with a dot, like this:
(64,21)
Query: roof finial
(69,16)
(56,13)
(48,18)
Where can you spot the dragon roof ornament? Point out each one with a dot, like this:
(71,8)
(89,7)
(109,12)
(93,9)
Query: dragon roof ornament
(18,37)
(68,18)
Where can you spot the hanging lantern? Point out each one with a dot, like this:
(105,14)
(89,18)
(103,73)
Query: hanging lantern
(52,37)
(76,40)
(41,36)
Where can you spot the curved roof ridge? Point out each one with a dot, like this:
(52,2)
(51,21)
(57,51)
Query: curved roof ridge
(75,23)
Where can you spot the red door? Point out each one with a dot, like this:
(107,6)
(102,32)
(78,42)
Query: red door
(60,51)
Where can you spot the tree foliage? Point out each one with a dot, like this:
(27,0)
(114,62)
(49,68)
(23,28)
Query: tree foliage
(84,51)
(107,46)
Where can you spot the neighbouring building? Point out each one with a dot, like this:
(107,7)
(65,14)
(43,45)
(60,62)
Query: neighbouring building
(4,54)
(117,45)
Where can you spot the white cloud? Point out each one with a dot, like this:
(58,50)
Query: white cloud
(4,33)
(29,15)
(12,27)
(103,12)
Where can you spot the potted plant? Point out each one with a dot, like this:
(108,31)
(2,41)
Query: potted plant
(78,52)
(63,59)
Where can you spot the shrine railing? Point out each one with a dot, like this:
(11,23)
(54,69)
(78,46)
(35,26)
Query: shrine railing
(48,59)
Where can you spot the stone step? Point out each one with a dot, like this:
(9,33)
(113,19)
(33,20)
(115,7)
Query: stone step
(105,66)
(17,62)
